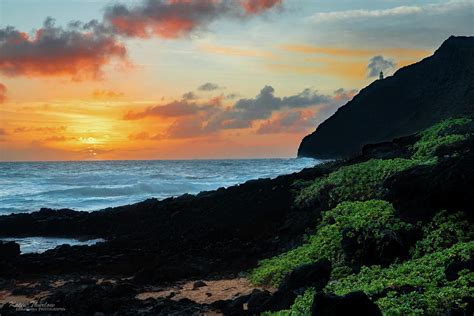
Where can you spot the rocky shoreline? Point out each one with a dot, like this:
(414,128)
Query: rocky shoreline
(219,235)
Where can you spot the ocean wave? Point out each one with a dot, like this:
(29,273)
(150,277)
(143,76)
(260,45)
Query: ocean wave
(100,191)
(91,186)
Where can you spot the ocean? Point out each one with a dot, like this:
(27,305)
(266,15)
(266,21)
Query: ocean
(94,185)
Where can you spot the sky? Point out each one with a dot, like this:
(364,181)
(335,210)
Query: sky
(197,79)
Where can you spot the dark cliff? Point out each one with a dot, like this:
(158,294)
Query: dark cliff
(414,98)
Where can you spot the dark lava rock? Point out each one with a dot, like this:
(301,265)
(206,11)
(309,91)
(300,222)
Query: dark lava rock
(9,250)
(258,301)
(362,249)
(308,275)
(234,307)
(85,297)
(414,98)
(222,231)
(165,307)
(279,301)
(397,148)
(420,192)
(452,269)
(355,303)
(198,284)
(123,290)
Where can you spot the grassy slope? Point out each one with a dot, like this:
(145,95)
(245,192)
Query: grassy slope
(354,195)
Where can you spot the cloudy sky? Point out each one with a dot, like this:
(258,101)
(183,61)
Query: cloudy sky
(184,79)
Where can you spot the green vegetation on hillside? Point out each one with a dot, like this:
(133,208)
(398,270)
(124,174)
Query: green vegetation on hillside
(358,182)
(444,231)
(432,294)
(415,286)
(371,219)
(438,135)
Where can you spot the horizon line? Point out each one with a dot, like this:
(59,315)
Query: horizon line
(138,160)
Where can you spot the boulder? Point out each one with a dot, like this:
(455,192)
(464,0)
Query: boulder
(362,249)
(308,275)
(9,250)
(198,284)
(258,300)
(355,303)
(420,192)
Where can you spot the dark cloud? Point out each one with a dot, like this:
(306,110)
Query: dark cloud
(172,109)
(377,64)
(209,86)
(78,51)
(190,96)
(3,93)
(288,122)
(265,103)
(199,119)
(81,50)
(232,96)
(187,127)
(342,95)
(177,18)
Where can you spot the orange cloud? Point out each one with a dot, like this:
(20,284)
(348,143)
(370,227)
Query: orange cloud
(139,136)
(172,109)
(346,69)
(54,51)
(349,52)
(288,122)
(176,18)
(106,94)
(56,139)
(169,27)
(234,51)
(42,129)
(267,112)
(342,62)
(3,93)
(258,6)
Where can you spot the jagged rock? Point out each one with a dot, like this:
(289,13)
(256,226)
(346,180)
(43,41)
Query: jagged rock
(420,192)
(355,303)
(198,284)
(258,301)
(362,250)
(9,250)
(226,231)
(397,148)
(308,275)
